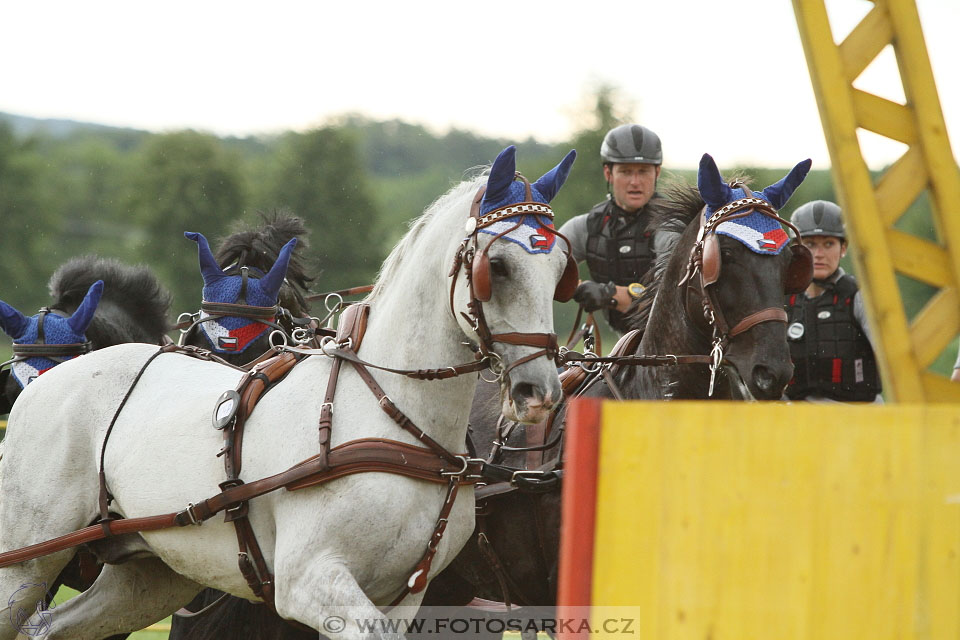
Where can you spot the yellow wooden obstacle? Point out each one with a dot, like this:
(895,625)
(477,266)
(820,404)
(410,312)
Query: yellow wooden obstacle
(739,521)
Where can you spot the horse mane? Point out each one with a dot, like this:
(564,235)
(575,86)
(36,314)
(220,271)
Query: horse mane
(453,200)
(133,288)
(258,247)
(678,206)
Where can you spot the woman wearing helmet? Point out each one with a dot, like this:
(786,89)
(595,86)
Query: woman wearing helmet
(827,328)
(613,237)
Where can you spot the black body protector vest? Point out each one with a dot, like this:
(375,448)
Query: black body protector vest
(619,247)
(831,355)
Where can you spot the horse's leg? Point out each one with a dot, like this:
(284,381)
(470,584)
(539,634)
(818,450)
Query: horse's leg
(126,597)
(322,594)
(23,594)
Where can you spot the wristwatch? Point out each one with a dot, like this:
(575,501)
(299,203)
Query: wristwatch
(635,289)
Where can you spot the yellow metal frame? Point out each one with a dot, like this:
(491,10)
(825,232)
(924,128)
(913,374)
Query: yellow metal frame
(904,348)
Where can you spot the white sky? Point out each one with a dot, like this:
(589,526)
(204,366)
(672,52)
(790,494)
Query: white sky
(508,69)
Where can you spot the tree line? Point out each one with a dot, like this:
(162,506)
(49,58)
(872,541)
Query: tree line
(128,194)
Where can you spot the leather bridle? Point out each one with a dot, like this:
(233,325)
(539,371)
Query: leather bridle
(476,266)
(705,260)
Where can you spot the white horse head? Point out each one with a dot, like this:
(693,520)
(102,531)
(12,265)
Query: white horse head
(349,543)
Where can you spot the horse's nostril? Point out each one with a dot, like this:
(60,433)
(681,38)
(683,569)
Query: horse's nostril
(522,391)
(763,378)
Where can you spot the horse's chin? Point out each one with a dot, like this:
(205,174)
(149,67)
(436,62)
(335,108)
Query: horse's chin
(738,384)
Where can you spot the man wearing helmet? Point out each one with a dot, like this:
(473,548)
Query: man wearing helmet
(827,327)
(613,237)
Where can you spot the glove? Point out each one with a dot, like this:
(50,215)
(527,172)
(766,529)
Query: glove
(595,295)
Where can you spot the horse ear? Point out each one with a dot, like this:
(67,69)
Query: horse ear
(714,191)
(81,318)
(502,174)
(209,268)
(270,284)
(549,183)
(12,321)
(778,193)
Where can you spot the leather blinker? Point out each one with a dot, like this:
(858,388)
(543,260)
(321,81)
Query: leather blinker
(710,267)
(482,289)
(799,271)
(568,281)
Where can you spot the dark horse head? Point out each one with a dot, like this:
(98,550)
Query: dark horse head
(722,290)
(96,303)
(251,286)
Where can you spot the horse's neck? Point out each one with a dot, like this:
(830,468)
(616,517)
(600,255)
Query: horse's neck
(413,328)
(671,332)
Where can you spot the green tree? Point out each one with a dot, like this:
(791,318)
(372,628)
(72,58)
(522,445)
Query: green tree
(185,181)
(586,186)
(30,233)
(319,176)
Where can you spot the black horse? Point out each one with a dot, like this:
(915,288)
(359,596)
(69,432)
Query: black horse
(212,615)
(513,555)
(133,307)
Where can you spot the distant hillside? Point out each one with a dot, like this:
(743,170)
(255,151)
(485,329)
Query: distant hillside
(58,127)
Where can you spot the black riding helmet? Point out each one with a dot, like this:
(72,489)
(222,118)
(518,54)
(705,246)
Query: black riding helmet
(631,143)
(819,218)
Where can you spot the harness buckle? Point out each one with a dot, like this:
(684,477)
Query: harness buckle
(459,472)
(192,514)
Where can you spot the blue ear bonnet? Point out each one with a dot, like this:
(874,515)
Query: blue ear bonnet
(227,290)
(760,233)
(57,329)
(233,334)
(263,290)
(504,189)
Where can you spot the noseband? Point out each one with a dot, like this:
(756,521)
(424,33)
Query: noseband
(476,265)
(705,259)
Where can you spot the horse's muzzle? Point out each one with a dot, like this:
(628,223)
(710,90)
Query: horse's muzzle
(768,383)
(530,402)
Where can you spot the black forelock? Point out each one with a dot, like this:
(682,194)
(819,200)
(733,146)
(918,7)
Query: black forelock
(259,247)
(132,288)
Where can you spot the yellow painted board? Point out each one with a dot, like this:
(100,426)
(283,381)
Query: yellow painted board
(901,185)
(768,520)
(865,42)
(884,117)
(920,259)
(932,330)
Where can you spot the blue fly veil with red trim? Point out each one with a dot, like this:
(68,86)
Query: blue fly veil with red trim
(535,233)
(232,333)
(760,233)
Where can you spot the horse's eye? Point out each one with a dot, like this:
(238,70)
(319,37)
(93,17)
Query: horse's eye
(498,266)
